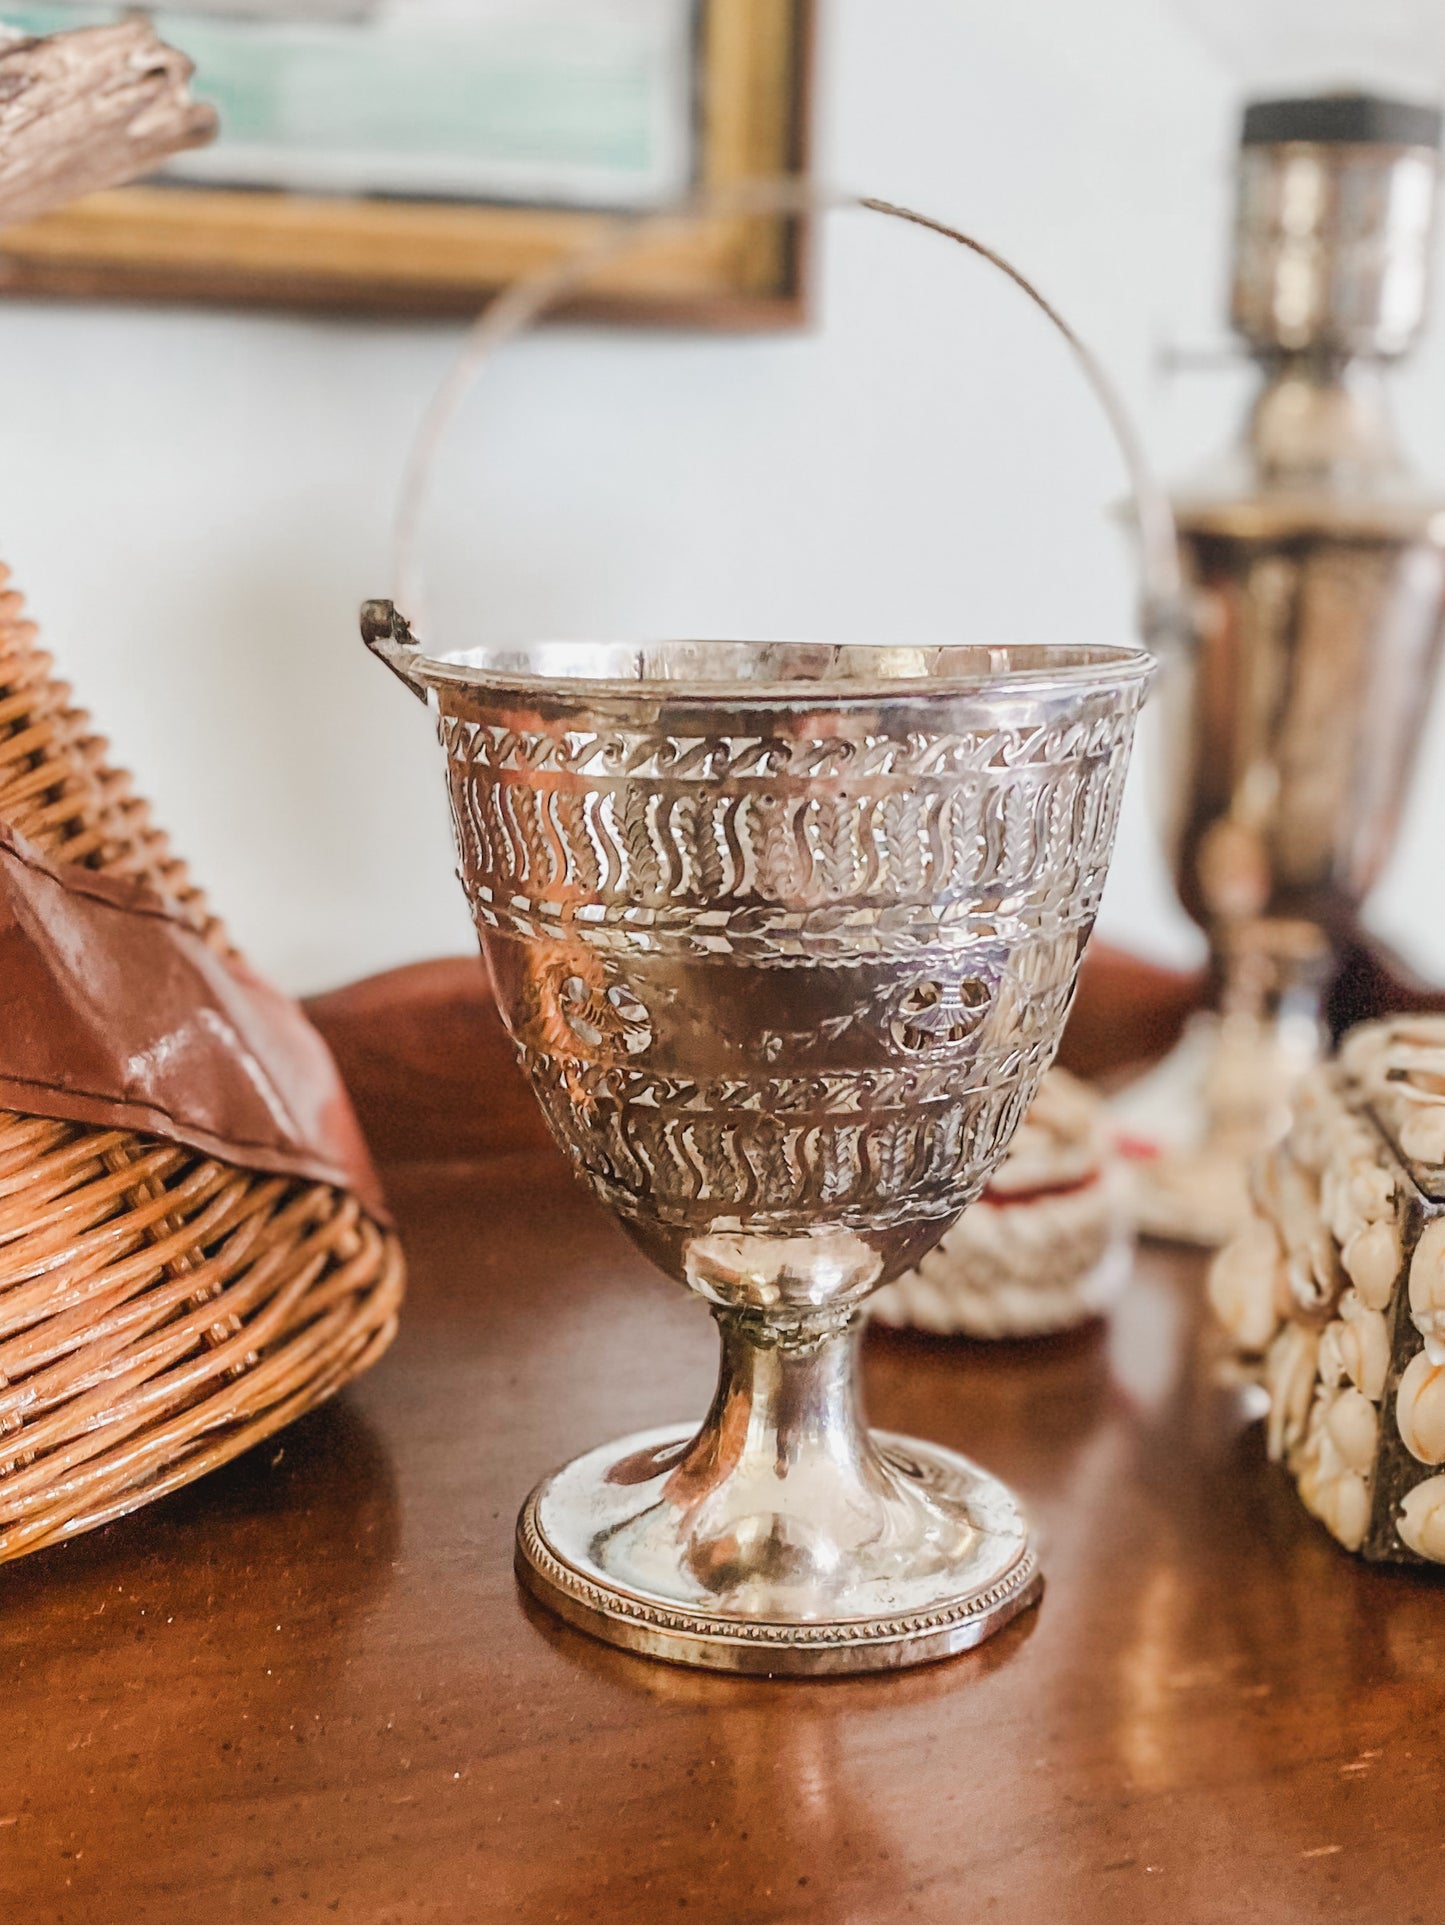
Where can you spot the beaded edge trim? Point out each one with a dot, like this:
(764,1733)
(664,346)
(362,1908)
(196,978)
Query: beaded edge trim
(885,1630)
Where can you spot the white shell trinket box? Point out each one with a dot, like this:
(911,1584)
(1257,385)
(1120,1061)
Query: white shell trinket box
(1337,1285)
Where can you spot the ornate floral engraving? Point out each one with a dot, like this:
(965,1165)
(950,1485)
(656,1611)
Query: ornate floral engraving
(775,835)
(648,897)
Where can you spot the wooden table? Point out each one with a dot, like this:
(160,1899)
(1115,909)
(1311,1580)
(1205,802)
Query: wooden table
(308,1687)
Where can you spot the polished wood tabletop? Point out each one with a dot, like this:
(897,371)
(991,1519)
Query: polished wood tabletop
(308,1688)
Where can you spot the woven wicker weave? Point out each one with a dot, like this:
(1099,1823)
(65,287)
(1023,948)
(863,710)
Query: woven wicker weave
(160,1310)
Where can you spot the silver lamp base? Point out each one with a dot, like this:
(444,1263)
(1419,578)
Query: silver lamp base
(911,1555)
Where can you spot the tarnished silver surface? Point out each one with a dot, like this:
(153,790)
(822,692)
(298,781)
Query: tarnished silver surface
(785,937)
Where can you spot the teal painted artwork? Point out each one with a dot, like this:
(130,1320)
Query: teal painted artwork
(584,103)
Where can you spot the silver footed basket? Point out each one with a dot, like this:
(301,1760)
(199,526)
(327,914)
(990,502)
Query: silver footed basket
(785,936)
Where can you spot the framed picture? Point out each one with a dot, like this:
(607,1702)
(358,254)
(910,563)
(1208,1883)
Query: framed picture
(413,155)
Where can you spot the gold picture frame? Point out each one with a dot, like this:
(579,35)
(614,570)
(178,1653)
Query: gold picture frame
(242,246)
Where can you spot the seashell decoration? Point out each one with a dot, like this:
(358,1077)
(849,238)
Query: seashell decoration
(1336,1286)
(1048,1246)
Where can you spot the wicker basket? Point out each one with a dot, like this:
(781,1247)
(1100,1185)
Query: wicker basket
(160,1310)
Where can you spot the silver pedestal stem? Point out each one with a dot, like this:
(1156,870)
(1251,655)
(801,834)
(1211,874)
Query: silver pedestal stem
(786,1397)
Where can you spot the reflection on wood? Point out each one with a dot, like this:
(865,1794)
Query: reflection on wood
(307,1688)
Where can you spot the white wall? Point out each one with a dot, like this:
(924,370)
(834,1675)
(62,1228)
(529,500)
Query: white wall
(196,502)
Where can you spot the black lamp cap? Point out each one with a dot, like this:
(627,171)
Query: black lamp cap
(1360,120)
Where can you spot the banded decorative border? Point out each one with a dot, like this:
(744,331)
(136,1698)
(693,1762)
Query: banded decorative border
(620,755)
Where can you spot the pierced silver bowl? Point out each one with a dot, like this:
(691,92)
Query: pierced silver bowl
(785,937)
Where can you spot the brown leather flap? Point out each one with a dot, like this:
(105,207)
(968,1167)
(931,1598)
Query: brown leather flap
(114,1012)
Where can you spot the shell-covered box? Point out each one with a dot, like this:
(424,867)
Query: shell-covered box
(1338,1285)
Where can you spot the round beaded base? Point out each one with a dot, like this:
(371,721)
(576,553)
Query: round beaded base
(569,1522)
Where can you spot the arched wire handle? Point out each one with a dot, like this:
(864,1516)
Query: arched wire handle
(1162,616)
